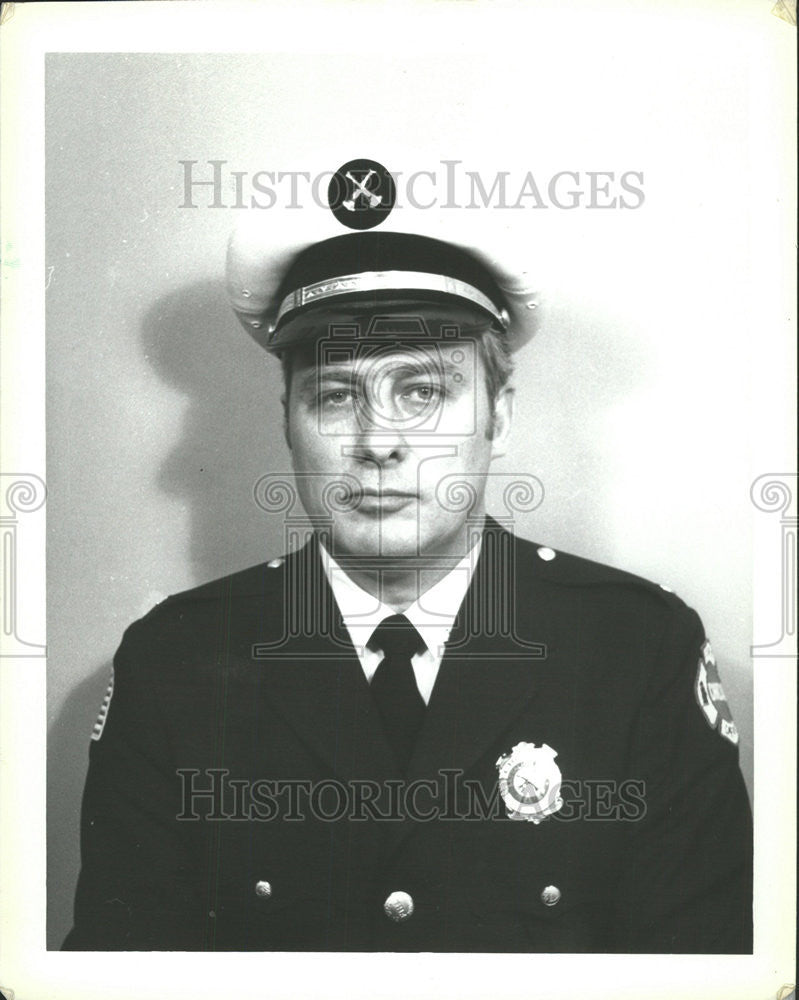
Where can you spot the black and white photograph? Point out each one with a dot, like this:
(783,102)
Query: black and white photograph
(399,500)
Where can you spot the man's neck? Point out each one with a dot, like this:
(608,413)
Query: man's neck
(402,581)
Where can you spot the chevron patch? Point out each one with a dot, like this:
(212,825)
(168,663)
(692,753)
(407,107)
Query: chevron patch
(99,725)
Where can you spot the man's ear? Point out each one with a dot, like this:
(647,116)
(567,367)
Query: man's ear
(501,421)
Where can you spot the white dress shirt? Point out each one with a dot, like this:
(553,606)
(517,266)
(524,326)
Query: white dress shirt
(432,614)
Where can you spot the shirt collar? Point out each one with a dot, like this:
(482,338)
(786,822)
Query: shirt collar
(432,614)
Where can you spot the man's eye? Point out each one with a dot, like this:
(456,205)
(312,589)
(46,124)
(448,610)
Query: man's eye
(336,397)
(423,393)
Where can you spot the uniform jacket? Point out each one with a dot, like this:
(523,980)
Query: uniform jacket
(242,795)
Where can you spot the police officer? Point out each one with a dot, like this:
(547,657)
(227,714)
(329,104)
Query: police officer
(415,731)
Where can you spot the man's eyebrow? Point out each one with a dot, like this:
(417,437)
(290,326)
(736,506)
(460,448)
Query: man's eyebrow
(314,376)
(442,367)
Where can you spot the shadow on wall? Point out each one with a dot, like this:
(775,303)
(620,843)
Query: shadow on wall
(232,431)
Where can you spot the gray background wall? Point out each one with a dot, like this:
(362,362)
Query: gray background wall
(634,404)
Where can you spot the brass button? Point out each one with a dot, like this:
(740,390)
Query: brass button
(263,889)
(546,553)
(550,895)
(398,906)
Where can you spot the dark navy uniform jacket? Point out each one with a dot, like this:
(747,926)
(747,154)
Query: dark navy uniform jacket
(242,795)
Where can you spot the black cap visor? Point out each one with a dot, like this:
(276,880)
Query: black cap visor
(383,315)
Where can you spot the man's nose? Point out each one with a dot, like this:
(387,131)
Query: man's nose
(381,437)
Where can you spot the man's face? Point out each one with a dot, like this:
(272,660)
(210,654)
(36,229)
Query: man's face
(408,431)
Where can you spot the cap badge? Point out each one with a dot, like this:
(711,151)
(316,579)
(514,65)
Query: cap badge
(529,782)
(361,194)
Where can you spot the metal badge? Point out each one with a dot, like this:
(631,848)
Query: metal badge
(529,782)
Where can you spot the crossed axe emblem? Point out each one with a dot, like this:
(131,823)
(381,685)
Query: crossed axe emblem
(361,191)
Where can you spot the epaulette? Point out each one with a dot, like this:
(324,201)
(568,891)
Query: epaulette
(575,571)
(247,582)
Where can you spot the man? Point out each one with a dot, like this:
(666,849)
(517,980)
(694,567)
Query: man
(415,731)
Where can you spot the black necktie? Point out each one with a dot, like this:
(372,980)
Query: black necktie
(394,687)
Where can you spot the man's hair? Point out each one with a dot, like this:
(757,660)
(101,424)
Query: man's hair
(492,346)
(497,362)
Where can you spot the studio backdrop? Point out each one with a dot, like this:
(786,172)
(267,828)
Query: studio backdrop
(633,407)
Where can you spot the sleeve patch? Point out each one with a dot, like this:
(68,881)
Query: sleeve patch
(99,725)
(710,695)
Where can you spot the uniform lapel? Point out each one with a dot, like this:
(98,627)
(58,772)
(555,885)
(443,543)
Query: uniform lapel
(501,647)
(313,677)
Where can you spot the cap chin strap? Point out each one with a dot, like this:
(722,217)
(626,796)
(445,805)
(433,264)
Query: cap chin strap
(378,281)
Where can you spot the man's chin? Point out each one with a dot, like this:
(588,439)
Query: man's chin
(379,544)
(392,538)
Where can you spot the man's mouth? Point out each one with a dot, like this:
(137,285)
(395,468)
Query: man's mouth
(383,501)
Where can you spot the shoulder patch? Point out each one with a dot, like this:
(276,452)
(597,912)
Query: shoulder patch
(710,695)
(99,725)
